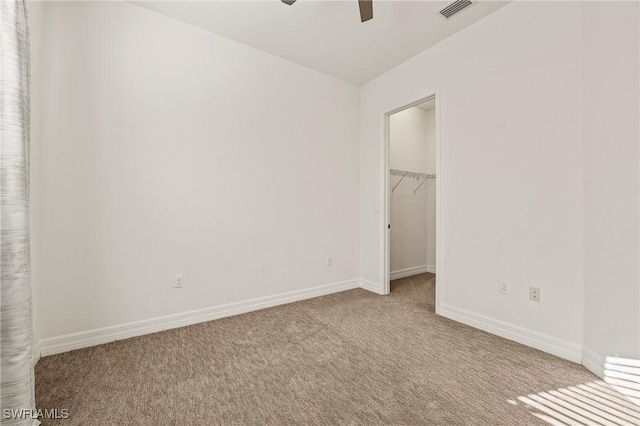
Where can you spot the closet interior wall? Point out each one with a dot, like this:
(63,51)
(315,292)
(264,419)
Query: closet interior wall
(413,213)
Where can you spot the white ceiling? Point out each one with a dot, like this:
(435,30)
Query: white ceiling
(328,35)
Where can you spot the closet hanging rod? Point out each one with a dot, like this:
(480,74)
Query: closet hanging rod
(406,173)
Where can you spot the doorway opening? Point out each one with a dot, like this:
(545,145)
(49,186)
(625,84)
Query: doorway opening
(412,196)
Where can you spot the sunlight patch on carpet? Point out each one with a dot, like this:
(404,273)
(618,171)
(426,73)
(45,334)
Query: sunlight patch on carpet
(594,403)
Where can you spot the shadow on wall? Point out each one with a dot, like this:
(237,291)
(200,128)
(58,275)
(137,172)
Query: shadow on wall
(614,401)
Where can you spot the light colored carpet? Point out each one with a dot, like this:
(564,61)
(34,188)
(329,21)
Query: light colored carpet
(348,358)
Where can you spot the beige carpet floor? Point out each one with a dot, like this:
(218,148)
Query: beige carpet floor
(348,358)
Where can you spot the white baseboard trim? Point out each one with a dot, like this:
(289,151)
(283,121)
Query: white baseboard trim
(408,272)
(35,354)
(593,362)
(371,286)
(552,345)
(84,339)
(431,269)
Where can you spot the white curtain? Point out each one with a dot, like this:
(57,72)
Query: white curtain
(16,370)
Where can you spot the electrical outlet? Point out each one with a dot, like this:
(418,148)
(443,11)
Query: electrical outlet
(534,294)
(178,281)
(329,261)
(504,287)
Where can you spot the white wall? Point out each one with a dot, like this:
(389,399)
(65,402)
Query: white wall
(611,135)
(430,188)
(539,173)
(36,11)
(159,148)
(511,165)
(409,140)
(170,150)
(412,148)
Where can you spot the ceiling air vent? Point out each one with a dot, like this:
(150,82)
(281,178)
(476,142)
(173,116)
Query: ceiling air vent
(455,7)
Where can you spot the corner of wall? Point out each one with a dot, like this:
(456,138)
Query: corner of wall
(35,353)
(377,288)
(593,362)
(36,15)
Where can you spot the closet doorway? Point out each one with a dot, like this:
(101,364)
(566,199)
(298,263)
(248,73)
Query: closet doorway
(412,195)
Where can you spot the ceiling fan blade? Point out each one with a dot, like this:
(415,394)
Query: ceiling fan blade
(366,9)
(289,2)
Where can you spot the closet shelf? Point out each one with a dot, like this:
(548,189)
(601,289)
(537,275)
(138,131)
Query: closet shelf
(405,173)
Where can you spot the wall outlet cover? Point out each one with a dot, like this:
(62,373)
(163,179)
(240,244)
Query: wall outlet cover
(534,294)
(178,281)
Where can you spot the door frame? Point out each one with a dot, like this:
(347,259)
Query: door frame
(386,191)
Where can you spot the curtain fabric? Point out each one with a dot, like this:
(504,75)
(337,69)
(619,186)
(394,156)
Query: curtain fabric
(16,370)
